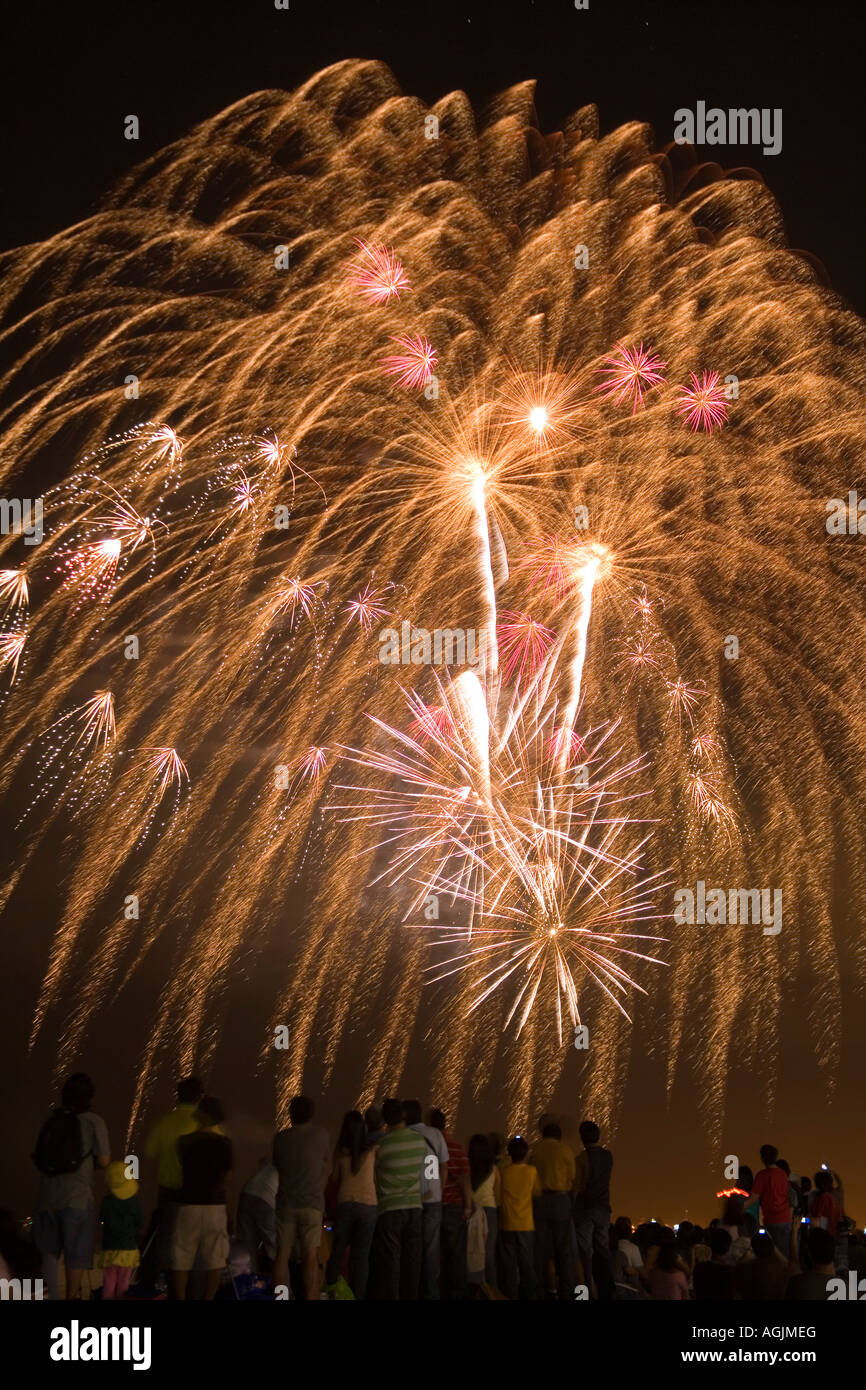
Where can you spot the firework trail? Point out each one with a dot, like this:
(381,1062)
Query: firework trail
(380,434)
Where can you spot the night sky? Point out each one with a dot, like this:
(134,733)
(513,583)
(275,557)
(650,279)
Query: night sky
(68,76)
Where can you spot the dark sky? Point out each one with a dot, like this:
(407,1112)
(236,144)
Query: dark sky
(70,73)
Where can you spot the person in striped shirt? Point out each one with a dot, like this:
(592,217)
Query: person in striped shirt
(395,1263)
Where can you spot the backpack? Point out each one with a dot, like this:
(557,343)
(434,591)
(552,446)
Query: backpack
(59,1148)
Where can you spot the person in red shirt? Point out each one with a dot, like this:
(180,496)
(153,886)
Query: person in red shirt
(826,1211)
(770,1186)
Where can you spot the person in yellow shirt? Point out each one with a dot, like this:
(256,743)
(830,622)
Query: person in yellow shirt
(519,1184)
(161,1145)
(554,1227)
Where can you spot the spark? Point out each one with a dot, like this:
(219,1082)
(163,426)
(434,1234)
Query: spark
(566,747)
(413,367)
(97,716)
(296,594)
(631,372)
(14,591)
(704,746)
(367,607)
(168,769)
(377,274)
(92,568)
(523,642)
(682,697)
(703,405)
(433,722)
(311,764)
(11,647)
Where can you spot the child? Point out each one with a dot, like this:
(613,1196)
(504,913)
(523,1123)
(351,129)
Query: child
(519,1184)
(122,1221)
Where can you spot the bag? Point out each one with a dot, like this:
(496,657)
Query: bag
(59,1148)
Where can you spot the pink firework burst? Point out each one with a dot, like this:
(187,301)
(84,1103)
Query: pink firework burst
(523,644)
(367,608)
(702,402)
(562,739)
(433,723)
(312,763)
(631,372)
(376,273)
(553,564)
(414,366)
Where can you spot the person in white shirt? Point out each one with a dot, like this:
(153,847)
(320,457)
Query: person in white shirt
(257,1220)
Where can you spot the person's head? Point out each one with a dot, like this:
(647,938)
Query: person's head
(821,1247)
(749,1224)
(733,1211)
(622,1228)
(480,1157)
(784,1165)
(353,1137)
(668,1257)
(392,1113)
(517,1149)
(190,1090)
(719,1242)
(412,1112)
(805,1185)
(436,1119)
(77,1093)
(209,1112)
(745,1178)
(589,1133)
(551,1130)
(763,1247)
(301,1110)
(373,1119)
(823,1181)
(769,1154)
(685,1232)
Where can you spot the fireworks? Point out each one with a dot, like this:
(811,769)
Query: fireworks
(523,644)
(14,592)
(367,608)
(413,367)
(377,274)
(11,647)
(631,372)
(540,802)
(703,404)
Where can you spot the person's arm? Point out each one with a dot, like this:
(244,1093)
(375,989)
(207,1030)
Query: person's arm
(101,1148)
(466,1193)
(497,1187)
(580,1172)
(536,1184)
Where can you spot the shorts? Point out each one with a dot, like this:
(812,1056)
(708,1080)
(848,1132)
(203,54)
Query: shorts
(301,1225)
(199,1229)
(68,1232)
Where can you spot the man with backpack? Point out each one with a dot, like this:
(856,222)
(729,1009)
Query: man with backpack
(72,1144)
